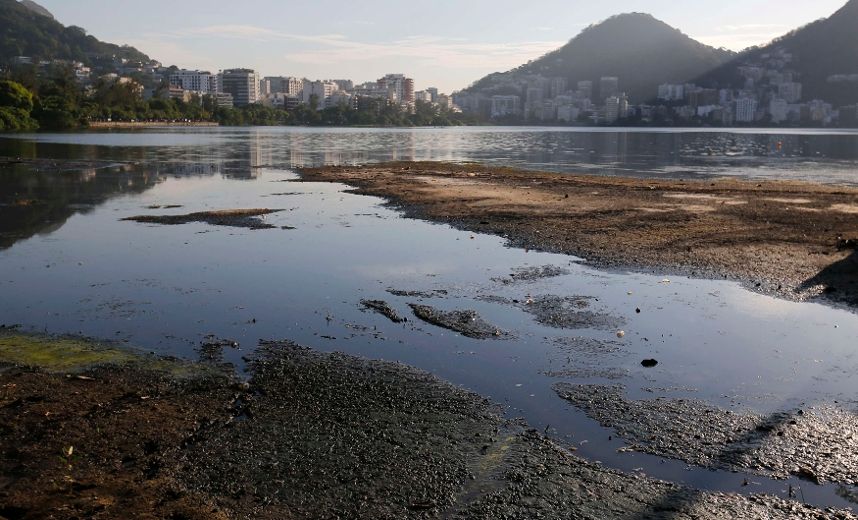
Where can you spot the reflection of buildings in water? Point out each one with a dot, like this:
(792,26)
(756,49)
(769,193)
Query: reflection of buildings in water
(246,163)
(193,169)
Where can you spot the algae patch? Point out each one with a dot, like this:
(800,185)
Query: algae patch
(70,355)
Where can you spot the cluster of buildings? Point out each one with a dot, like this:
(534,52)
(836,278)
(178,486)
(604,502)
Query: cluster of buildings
(545,100)
(770,94)
(242,87)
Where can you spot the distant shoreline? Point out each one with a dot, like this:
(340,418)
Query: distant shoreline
(147,124)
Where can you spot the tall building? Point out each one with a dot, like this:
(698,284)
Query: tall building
(779,110)
(585,90)
(285,85)
(399,88)
(558,87)
(433,94)
(746,110)
(790,91)
(194,81)
(609,86)
(506,106)
(321,91)
(243,84)
(616,108)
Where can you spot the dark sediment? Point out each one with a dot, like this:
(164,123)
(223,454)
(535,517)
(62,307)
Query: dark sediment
(102,434)
(532,274)
(241,218)
(467,323)
(569,312)
(438,293)
(383,308)
(817,444)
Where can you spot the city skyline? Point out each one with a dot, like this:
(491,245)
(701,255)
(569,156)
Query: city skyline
(367,41)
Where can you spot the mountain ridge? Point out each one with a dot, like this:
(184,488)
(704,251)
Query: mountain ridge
(631,46)
(25,30)
(821,51)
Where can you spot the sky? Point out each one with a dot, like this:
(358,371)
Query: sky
(442,43)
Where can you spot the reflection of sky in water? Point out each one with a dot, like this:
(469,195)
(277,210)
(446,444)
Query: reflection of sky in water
(164,288)
(822,155)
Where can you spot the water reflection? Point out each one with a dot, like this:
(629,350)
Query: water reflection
(829,156)
(40,198)
(33,201)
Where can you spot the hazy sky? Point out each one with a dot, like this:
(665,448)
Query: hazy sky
(443,43)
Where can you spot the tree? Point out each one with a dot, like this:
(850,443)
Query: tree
(15,95)
(16,107)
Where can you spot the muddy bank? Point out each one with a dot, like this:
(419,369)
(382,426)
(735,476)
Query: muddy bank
(88,431)
(785,238)
(240,218)
(466,322)
(817,445)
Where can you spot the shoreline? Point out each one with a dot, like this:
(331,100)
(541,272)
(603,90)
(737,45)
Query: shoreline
(97,431)
(789,239)
(103,125)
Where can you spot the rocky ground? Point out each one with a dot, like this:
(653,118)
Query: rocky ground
(793,239)
(91,431)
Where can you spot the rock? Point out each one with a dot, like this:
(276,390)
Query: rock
(649,363)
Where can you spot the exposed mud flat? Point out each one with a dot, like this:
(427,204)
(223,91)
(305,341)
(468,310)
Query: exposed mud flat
(775,237)
(438,293)
(383,308)
(817,445)
(561,312)
(466,322)
(310,435)
(240,218)
(532,274)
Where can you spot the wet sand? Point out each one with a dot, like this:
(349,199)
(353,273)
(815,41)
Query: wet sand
(792,239)
(92,431)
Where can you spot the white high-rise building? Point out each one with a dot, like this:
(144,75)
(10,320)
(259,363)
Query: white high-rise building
(194,81)
(746,110)
(320,90)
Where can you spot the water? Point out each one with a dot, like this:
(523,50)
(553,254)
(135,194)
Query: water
(828,156)
(69,264)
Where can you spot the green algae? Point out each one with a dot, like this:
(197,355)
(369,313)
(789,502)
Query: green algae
(67,354)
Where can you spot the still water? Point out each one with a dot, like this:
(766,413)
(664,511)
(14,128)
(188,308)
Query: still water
(69,264)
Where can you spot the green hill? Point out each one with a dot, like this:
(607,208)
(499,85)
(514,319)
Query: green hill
(639,49)
(824,54)
(30,30)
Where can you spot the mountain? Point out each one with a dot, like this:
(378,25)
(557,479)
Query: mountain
(28,29)
(823,56)
(640,50)
(36,8)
